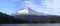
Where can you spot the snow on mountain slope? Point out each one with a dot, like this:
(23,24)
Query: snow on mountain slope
(28,11)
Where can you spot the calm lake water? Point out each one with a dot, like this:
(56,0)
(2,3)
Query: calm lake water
(48,24)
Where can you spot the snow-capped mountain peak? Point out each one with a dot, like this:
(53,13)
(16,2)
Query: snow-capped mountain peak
(28,11)
(24,11)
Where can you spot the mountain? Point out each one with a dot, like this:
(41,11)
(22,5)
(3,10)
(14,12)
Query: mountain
(28,11)
(3,16)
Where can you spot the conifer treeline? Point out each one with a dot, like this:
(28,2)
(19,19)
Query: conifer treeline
(4,18)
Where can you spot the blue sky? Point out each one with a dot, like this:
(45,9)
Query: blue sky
(45,6)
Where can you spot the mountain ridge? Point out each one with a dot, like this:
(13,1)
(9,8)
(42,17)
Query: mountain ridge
(28,11)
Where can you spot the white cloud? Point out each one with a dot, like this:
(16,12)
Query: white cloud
(46,6)
(28,3)
(15,0)
(35,7)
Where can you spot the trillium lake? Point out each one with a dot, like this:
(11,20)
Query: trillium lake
(47,24)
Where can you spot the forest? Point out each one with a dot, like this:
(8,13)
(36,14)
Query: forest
(4,18)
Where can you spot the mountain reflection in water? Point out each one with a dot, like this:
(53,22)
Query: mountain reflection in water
(38,24)
(53,24)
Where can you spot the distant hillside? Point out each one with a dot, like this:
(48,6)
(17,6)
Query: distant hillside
(4,18)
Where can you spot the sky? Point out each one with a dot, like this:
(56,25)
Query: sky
(45,6)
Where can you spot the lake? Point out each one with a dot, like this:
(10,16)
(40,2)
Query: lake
(47,24)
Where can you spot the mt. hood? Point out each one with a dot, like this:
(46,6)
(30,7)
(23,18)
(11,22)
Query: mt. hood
(28,11)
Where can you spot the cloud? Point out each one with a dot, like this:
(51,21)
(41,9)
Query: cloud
(31,5)
(46,6)
(49,6)
(35,7)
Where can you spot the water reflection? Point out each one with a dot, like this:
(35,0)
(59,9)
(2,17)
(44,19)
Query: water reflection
(29,24)
(38,24)
(8,24)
